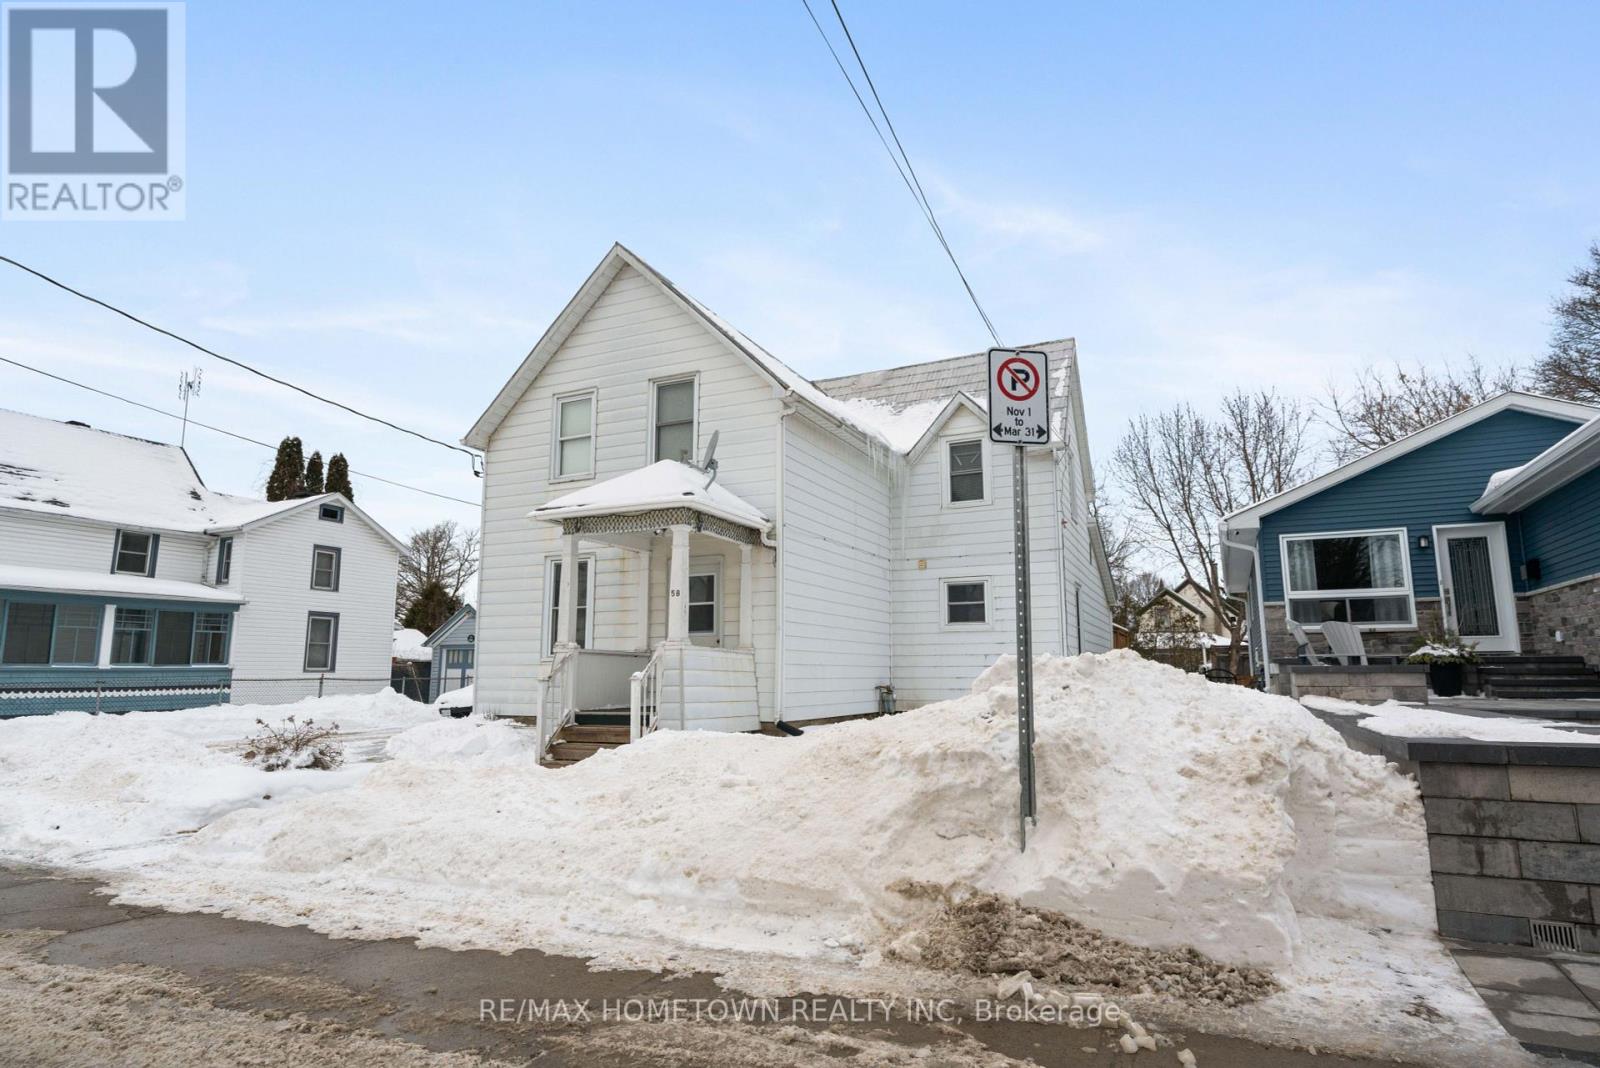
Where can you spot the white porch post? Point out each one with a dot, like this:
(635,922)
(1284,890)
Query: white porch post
(567,610)
(642,599)
(108,628)
(678,586)
(747,609)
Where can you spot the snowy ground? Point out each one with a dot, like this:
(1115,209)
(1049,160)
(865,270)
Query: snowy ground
(1173,812)
(1437,721)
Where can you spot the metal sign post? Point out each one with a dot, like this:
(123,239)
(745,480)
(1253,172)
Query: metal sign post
(1019,415)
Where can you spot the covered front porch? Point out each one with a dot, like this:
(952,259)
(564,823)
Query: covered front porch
(691,546)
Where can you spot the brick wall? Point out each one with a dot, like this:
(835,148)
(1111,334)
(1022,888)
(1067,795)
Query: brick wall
(1381,642)
(1573,609)
(1512,842)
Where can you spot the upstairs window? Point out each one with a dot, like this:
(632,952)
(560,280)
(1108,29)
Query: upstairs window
(674,421)
(333,513)
(135,553)
(965,469)
(224,561)
(1361,577)
(574,452)
(325,568)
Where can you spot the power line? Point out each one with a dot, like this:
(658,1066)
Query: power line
(230,360)
(908,173)
(220,430)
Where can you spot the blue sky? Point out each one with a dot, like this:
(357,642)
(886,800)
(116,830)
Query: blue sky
(389,202)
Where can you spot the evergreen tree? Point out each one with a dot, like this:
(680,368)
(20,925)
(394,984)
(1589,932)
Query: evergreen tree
(434,605)
(288,471)
(314,475)
(339,477)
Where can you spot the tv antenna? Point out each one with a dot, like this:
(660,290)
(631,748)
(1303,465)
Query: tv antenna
(188,386)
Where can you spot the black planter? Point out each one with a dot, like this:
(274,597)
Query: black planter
(1445,679)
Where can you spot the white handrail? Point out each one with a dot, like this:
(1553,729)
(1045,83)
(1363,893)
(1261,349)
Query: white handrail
(555,705)
(644,699)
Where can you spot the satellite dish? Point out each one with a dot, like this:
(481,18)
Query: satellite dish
(709,464)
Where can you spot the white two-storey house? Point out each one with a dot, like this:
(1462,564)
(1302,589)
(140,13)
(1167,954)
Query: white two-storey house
(852,547)
(126,584)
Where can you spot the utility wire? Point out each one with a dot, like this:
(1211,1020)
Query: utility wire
(908,173)
(220,430)
(230,360)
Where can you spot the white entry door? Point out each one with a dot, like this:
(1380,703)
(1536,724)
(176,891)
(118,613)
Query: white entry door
(1475,583)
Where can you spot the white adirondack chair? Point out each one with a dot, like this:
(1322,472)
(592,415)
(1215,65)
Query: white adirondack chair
(1303,641)
(1345,641)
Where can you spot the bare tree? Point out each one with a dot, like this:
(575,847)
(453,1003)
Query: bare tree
(444,554)
(1182,472)
(1381,407)
(1571,368)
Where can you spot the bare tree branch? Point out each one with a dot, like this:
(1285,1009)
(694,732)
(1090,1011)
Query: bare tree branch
(1382,408)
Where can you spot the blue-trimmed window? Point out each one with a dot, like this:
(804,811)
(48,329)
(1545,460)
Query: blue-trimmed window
(28,627)
(135,553)
(77,634)
(211,637)
(131,633)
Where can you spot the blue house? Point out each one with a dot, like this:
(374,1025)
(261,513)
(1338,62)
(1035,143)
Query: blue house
(1487,523)
(454,647)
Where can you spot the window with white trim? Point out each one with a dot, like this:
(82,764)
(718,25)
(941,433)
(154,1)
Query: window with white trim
(322,641)
(703,604)
(964,472)
(1361,577)
(224,561)
(552,602)
(673,412)
(574,430)
(135,554)
(966,602)
(325,568)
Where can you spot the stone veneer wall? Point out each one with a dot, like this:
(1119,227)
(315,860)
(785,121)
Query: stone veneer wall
(1509,843)
(1365,684)
(1380,642)
(1573,609)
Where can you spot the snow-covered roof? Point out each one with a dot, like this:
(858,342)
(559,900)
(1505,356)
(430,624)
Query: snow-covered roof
(411,644)
(664,484)
(71,469)
(1517,487)
(57,580)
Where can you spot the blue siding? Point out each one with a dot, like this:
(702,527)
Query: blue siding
(1434,484)
(1563,531)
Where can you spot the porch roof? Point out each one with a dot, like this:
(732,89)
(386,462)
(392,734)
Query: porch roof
(60,580)
(664,484)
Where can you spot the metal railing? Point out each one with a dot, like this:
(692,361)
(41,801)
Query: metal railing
(556,706)
(644,698)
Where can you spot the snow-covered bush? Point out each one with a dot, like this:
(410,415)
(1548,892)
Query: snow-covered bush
(1446,648)
(292,744)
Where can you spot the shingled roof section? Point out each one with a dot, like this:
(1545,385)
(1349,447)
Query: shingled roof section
(935,380)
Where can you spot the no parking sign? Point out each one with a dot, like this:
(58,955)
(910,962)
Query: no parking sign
(1019,400)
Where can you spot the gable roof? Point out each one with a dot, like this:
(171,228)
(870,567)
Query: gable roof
(74,470)
(1576,454)
(459,616)
(1250,517)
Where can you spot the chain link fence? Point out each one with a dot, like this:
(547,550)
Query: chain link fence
(44,693)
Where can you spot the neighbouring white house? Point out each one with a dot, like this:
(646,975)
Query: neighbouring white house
(126,584)
(852,545)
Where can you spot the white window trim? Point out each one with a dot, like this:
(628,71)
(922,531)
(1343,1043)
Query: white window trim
(593,396)
(709,566)
(650,424)
(1408,591)
(944,602)
(547,641)
(944,470)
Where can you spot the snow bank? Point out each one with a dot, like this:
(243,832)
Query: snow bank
(1173,812)
(76,789)
(408,645)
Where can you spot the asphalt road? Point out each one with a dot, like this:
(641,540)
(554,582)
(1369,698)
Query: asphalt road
(84,982)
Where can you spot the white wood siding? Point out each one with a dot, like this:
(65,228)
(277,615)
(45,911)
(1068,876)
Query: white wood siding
(836,596)
(272,569)
(36,540)
(936,541)
(1087,617)
(634,334)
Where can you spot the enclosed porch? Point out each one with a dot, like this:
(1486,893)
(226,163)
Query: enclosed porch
(683,555)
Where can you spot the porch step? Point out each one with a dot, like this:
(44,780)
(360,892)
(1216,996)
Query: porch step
(1523,678)
(580,741)
(612,716)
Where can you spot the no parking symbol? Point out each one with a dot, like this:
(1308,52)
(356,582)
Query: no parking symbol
(1019,410)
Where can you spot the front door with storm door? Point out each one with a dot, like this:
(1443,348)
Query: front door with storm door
(1475,585)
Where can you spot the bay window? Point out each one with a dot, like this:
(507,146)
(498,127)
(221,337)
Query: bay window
(1361,577)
